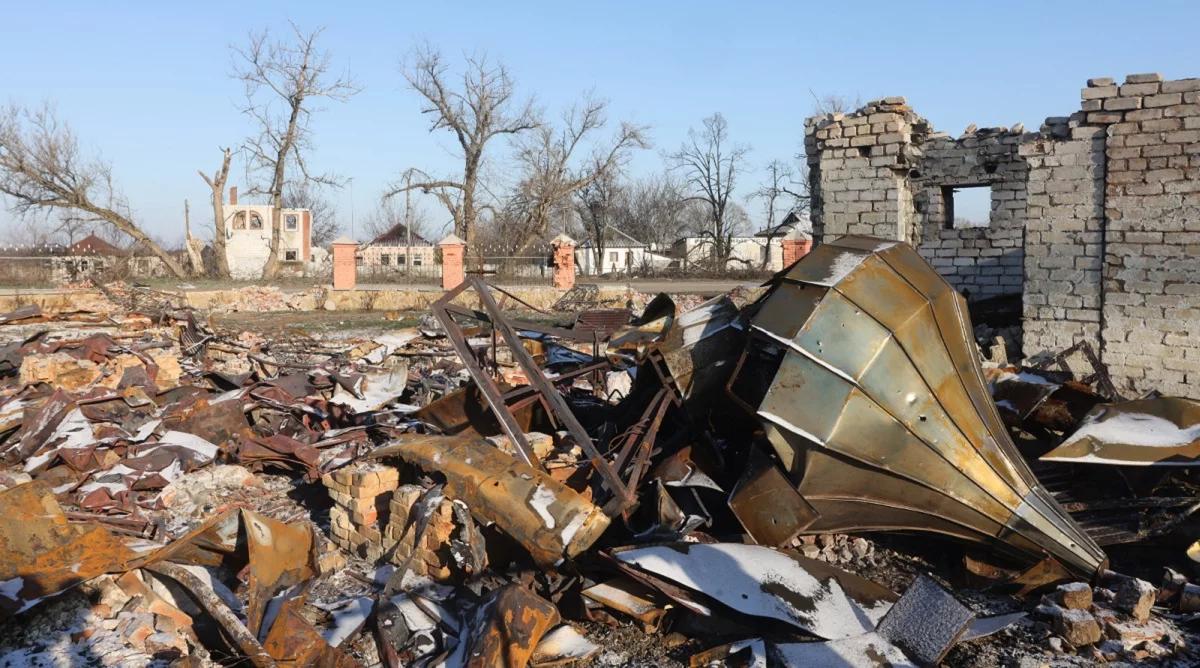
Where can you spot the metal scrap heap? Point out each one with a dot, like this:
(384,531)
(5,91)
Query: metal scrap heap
(822,471)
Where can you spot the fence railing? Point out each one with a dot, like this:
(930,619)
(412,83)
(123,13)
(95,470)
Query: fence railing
(417,274)
(532,266)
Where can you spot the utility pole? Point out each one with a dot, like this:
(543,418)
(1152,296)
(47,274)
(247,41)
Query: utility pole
(407,222)
(351,179)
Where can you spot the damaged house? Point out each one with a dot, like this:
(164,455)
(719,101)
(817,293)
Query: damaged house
(1094,225)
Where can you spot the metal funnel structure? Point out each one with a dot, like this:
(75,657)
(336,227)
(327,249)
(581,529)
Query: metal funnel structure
(862,368)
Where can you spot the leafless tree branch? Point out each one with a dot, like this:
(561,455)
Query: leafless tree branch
(479,109)
(710,165)
(283,81)
(41,167)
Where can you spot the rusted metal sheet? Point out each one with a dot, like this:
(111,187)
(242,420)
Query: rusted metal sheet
(280,451)
(549,519)
(293,641)
(464,408)
(42,554)
(768,505)
(631,598)
(602,322)
(696,349)
(1164,431)
(508,626)
(877,407)
(280,555)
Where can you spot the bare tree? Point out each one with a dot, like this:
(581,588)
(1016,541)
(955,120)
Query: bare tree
(388,215)
(710,165)
(774,191)
(306,195)
(552,172)
(216,183)
(191,245)
(596,205)
(782,193)
(834,104)
(283,79)
(482,109)
(652,210)
(73,227)
(41,168)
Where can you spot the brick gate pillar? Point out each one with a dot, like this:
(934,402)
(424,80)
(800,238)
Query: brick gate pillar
(453,249)
(345,267)
(794,247)
(564,262)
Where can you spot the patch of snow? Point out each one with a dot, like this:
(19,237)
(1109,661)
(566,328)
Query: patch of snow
(1135,429)
(540,502)
(842,265)
(564,643)
(868,649)
(348,616)
(572,527)
(758,581)
(191,442)
(11,588)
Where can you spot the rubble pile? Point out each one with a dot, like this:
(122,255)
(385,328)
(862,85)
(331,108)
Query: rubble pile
(818,472)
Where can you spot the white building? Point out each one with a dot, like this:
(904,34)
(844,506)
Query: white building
(744,253)
(795,224)
(248,238)
(622,255)
(763,251)
(397,251)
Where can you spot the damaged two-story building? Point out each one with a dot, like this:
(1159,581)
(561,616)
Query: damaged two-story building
(1094,218)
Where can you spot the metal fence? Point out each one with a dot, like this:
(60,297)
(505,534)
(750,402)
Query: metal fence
(505,266)
(422,274)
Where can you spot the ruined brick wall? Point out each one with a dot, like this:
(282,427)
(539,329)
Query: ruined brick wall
(880,171)
(857,167)
(1151,296)
(1063,237)
(1095,217)
(980,261)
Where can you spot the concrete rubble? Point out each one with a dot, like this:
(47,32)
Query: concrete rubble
(824,470)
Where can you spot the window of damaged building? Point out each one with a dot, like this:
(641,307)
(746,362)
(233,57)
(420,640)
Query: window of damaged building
(966,206)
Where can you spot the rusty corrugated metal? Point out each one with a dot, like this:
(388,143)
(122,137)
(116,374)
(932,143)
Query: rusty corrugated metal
(863,370)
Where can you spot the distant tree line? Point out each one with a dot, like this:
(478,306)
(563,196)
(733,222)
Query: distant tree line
(526,174)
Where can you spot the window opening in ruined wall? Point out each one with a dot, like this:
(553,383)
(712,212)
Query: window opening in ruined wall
(967,206)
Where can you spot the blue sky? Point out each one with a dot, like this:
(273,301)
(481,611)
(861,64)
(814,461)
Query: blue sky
(147,84)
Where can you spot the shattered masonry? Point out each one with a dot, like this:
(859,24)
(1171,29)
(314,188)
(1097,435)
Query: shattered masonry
(1095,217)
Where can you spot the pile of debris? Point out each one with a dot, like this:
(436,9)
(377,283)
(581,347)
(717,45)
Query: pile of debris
(819,472)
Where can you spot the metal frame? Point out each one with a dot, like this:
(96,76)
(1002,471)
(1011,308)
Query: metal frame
(443,310)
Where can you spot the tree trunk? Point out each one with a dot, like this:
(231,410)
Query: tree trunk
(218,204)
(123,224)
(467,223)
(194,257)
(217,185)
(271,268)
